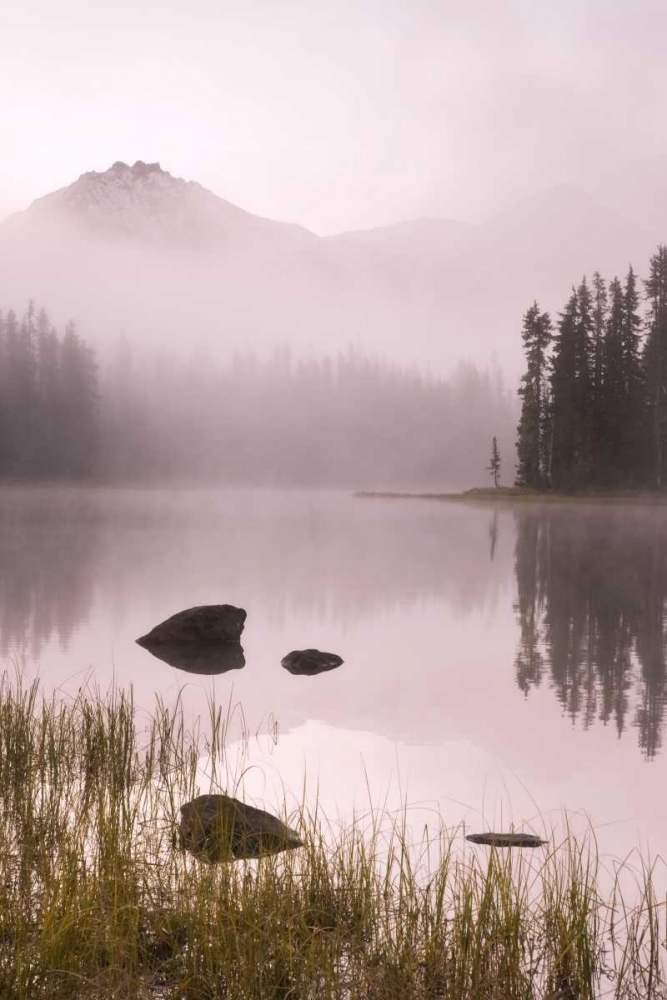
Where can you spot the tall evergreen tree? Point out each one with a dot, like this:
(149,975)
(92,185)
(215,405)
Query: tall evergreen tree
(78,406)
(3,395)
(633,451)
(532,444)
(564,397)
(600,307)
(584,386)
(614,387)
(48,397)
(655,361)
(14,396)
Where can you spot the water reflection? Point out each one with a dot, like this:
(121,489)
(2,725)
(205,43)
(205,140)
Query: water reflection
(437,608)
(48,568)
(591,605)
(198,658)
(493,535)
(328,556)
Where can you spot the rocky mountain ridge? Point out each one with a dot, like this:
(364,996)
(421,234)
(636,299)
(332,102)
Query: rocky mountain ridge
(145,201)
(133,248)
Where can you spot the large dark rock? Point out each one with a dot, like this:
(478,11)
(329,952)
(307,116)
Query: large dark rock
(204,624)
(220,828)
(198,658)
(310,661)
(506,839)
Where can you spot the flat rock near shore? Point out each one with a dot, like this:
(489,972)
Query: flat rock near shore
(506,839)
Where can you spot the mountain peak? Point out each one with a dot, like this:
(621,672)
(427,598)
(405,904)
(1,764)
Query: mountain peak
(140,169)
(144,201)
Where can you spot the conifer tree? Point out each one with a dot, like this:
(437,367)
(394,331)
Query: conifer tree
(614,386)
(48,397)
(13,401)
(655,361)
(532,440)
(584,459)
(600,306)
(633,448)
(78,405)
(494,465)
(3,395)
(564,398)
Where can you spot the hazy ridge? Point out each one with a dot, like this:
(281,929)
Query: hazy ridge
(134,249)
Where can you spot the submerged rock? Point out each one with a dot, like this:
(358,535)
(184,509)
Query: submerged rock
(204,624)
(220,828)
(506,839)
(310,661)
(198,658)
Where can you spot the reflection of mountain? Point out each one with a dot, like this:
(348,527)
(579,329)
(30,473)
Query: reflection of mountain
(592,603)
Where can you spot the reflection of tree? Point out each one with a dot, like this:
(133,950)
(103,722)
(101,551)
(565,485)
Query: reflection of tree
(46,571)
(493,535)
(592,602)
(68,554)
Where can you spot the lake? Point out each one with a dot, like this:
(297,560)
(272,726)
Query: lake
(500,664)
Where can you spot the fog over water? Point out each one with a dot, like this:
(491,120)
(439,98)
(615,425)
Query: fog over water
(503,664)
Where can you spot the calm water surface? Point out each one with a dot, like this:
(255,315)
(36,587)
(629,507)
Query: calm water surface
(499,665)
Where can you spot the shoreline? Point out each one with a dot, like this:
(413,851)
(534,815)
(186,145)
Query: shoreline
(514,495)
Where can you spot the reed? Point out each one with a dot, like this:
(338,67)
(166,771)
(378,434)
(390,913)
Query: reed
(96,900)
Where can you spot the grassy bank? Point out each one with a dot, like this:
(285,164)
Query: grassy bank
(96,901)
(517,494)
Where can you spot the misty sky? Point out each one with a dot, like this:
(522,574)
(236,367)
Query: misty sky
(341,116)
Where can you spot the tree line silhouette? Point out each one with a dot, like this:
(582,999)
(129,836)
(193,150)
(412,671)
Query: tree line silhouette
(49,404)
(148,417)
(594,393)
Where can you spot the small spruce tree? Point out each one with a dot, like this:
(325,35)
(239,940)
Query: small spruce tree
(494,465)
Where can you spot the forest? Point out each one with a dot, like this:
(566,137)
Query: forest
(133,416)
(594,393)
(49,400)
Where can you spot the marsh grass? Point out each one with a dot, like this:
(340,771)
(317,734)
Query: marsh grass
(96,901)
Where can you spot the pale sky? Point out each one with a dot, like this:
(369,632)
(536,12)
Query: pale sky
(341,115)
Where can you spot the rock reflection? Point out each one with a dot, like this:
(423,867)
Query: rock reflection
(591,605)
(198,658)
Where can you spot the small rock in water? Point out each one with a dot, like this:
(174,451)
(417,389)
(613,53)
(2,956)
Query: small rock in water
(199,658)
(506,839)
(310,661)
(204,624)
(220,828)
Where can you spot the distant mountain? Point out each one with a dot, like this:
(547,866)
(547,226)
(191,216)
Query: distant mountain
(143,201)
(170,263)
